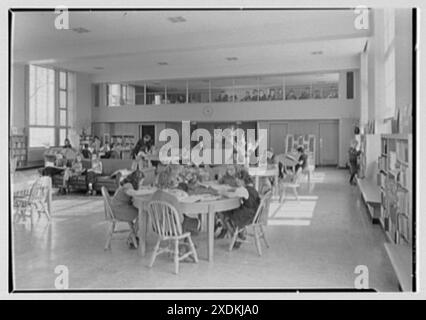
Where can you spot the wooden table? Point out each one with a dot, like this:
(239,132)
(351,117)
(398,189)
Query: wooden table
(208,208)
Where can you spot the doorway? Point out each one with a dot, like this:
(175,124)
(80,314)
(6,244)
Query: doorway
(277,136)
(147,129)
(328,143)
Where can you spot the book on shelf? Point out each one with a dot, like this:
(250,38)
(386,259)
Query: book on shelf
(392,160)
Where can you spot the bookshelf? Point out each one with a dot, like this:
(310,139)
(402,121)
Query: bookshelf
(395,182)
(125,143)
(18,150)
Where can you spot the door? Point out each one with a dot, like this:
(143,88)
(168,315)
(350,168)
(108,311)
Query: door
(147,129)
(328,143)
(277,136)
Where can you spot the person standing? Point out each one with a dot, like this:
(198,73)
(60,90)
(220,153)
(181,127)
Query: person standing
(353,161)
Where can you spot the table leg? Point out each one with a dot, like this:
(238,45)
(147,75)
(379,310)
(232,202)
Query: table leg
(210,234)
(257,183)
(143,228)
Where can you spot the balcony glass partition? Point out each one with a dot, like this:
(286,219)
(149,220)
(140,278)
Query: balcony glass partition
(247,89)
(199,91)
(271,88)
(238,89)
(312,86)
(155,92)
(222,90)
(176,91)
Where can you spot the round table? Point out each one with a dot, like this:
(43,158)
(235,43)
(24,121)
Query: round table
(269,171)
(208,208)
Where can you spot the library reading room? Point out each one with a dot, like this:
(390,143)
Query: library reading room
(156,150)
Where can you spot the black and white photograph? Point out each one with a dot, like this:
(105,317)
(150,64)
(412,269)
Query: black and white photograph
(212,149)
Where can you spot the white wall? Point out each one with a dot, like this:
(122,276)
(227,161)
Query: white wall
(83,101)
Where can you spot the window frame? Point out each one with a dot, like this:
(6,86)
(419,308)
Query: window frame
(57,126)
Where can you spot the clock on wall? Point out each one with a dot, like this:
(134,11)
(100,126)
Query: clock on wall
(208,111)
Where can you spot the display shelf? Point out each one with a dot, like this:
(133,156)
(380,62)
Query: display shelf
(396,189)
(19,151)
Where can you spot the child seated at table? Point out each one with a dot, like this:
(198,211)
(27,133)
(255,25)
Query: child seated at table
(122,202)
(242,216)
(229,177)
(168,180)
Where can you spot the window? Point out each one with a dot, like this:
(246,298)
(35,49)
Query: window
(389,65)
(48,109)
(199,91)
(271,88)
(41,107)
(222,90)
(246,89)
(312,86)
(155,92)
(238,89)
(120,94)
(176,91)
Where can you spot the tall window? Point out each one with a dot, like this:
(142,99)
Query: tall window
(48,107)
(389,54)
(120,94)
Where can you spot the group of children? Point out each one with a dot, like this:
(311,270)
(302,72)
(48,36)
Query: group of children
(171,178)
(60,166)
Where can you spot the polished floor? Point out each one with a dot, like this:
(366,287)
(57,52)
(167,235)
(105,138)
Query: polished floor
(316,242)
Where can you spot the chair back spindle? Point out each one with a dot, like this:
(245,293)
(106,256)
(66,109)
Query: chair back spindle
(262,211)
(165,219)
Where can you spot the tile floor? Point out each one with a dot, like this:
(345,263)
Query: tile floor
(315,243)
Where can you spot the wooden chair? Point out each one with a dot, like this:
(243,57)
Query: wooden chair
(36,200)
(110,216)
(166,223)
(259,221)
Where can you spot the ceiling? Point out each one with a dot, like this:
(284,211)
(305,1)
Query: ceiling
(146,44)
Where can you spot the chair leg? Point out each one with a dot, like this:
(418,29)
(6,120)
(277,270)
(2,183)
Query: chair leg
(282,194)
(194,252)
(264,236)
(46,211)
(296,194)
(234,238)
(109,238)
(154,253)
(133,234)
(176,256)
(257,242)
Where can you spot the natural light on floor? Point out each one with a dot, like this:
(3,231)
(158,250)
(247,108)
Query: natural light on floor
(293,212)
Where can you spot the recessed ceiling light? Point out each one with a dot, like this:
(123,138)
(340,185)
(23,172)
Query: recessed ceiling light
(176,19)
(316,52)
(231,58)
(162,63)
(80,30)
